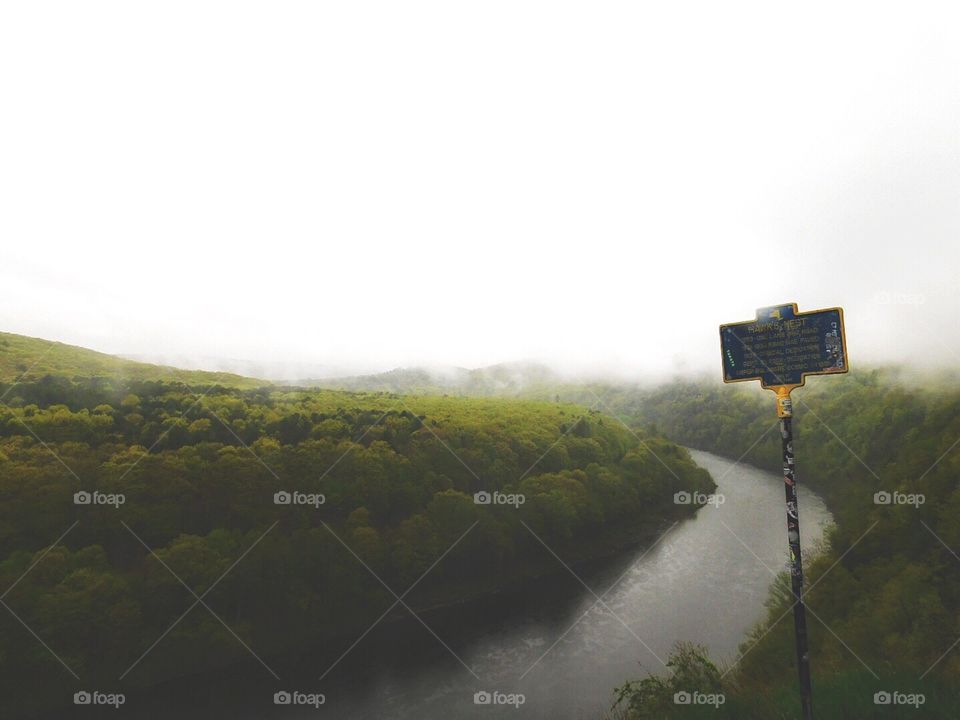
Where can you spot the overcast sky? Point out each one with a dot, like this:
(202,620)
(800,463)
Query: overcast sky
(382,184)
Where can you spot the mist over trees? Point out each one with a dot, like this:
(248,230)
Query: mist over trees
(198,470)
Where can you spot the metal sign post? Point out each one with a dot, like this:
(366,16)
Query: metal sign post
(780,348)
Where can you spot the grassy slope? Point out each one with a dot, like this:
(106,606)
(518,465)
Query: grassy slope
(461,441)
(25,358)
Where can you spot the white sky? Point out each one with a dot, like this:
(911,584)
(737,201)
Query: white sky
(384,184)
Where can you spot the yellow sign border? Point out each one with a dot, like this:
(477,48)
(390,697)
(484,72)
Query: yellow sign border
(803,376)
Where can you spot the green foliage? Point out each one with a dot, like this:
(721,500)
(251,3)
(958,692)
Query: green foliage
(653,697)
(34,359)
(844,695)
(199,466)
(890,590)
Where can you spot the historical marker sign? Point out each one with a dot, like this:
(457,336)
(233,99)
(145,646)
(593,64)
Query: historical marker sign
(782,346)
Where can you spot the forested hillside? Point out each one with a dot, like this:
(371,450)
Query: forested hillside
(888,585)
(29,358)
(193,473)
(506,379)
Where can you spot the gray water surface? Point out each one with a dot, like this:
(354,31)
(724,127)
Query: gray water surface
(705,580)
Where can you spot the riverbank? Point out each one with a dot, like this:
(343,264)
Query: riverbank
(882,599)
(488,607)
(548,638)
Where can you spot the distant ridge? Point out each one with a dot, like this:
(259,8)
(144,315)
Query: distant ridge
(276,370)
(25,358)
(504,379)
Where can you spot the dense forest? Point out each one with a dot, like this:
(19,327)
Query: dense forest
(884,597)
(198,458)
(150,482)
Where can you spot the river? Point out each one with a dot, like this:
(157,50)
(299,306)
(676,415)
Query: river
(705,580)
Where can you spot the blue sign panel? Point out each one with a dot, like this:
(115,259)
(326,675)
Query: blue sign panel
(782,346)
